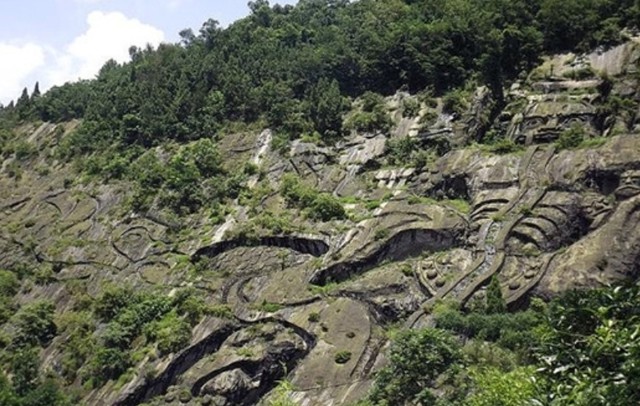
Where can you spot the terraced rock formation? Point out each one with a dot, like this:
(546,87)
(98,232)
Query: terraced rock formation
(313,305)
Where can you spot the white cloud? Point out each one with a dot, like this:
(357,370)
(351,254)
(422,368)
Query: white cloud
(109,36)
(17,62)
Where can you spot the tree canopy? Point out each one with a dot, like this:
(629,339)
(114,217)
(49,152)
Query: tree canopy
(291,65)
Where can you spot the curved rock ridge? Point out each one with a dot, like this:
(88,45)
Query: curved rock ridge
(481,194)
(304,245)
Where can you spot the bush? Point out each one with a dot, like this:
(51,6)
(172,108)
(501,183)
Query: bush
(342,357)
(320,206)
(410,107)
(381,234)
(504,146)
(172,333)
(314,317)
(400,150)
(494,387)
(372,117)
(571,138)
(112,300)
(326,207)
(495,300)
(417,357)
(108,363)
(24,150)
(8,288)
(34,324)
(454,102)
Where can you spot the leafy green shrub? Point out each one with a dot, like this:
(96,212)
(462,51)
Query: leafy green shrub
(454,102)
(410,107)
(591,337)
(400,150)
(34,324)
(342,357)
(295,192)
(502,327)
(494,387)
(24,150)
(77,329)
(282,394)
(326,106)
(160,319)
(571,138)
(172,333)
(222,311)
(381,234)
(579,74)
(326,207)
(417,357)
(269,307)
(495,300)
(111,301)
(107,363)
(8,288)
(372,117)
(321,206)
(504,146)
(189,305)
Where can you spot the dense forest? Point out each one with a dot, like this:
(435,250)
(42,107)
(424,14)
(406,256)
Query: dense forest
(291,68)
(320,70)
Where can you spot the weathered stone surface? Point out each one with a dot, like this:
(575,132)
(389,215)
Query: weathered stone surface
(539,219)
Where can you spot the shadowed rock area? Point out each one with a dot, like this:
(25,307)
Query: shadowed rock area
(291,291)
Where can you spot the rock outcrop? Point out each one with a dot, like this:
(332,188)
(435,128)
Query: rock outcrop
(540,218)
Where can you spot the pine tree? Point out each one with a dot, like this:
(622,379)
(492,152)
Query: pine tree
(495,300)
(23,101)
(23,105)
(36,91)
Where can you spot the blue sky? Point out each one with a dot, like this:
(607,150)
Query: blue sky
(55,41)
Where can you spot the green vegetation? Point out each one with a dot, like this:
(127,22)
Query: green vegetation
(314,71)
(192,178)
(294,69)
(314,317)
(410,107)
(495,301)
(133,323)
(571,138)
(281,395)
(416,359)
(342,357)
(8,288)
(371,117)
(269,307)
(318,206)
(381,234)
(407,151)
(581,349)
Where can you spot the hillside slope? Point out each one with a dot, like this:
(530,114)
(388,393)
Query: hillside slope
(201,308)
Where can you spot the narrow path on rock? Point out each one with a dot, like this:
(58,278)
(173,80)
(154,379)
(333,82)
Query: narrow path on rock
(494,232)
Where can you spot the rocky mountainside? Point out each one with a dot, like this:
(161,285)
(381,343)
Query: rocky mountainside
(551,206)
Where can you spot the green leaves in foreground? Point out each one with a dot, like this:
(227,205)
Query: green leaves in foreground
(583,349)
(416,359)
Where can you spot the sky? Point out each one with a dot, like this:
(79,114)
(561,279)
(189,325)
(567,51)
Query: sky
(56,41)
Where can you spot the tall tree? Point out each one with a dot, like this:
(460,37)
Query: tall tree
(495,300)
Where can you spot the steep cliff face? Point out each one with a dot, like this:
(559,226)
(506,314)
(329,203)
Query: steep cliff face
(553,206)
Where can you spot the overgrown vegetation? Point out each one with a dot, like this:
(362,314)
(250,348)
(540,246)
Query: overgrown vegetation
(581,349)
(317,205)
(133,323)
(293,69)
